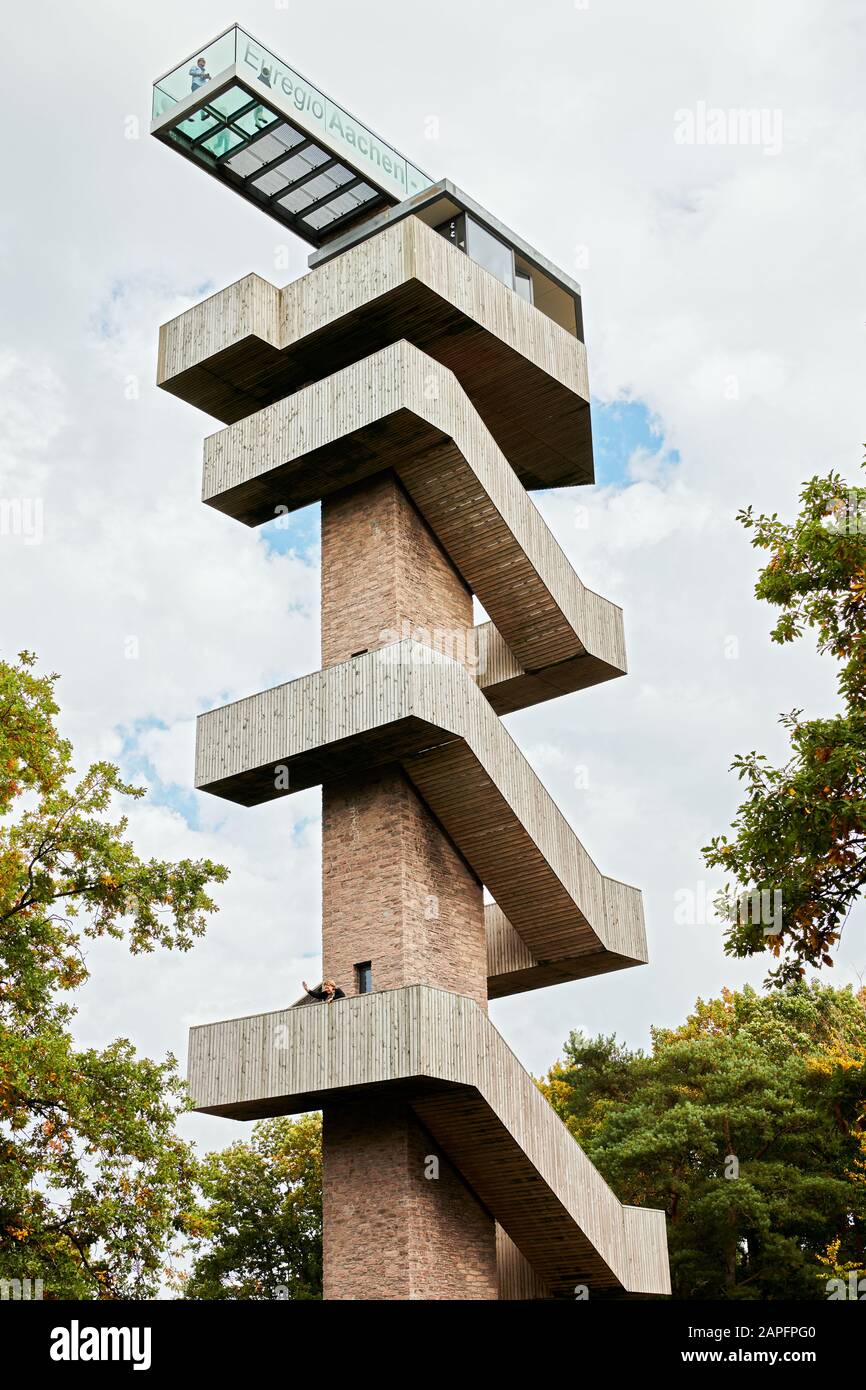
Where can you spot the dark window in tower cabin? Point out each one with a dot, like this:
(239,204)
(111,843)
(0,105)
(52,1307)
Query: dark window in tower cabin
(454,230)
(364,977)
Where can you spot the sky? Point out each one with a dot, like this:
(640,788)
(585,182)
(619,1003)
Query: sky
(723,285)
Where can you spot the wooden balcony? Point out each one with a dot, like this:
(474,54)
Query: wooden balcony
(443,1055)
(401,410)
(253,344)
(410,704)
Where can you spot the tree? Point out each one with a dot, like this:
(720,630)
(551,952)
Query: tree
(93,1180)
(259,1230)
(747,1126)
(801,832)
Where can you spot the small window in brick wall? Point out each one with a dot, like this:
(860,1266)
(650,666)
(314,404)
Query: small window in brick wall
(364,977)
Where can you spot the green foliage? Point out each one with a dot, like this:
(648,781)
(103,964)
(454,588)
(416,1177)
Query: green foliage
(93,1180)
(769,1087)
(258,1233)
(802,827)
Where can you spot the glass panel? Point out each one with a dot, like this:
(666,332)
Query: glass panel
(223,141)
(416,181)
(482,246)
(523,284)
(257,119)
(162,101)
(191,75)
(196,124)
(230,101)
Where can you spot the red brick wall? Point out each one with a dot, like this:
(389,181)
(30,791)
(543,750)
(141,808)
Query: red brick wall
(385,576)
(389,1231)
(396,892)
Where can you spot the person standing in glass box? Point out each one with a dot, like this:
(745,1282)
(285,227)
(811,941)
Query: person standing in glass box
(199,74)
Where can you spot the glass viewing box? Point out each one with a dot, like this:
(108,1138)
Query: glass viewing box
(257,125)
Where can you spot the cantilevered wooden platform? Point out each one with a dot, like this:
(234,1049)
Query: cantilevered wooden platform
(253,344)
(442,1053)
(410,704)
(401,410)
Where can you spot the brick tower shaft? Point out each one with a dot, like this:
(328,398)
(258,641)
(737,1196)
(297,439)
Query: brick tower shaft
(399,898)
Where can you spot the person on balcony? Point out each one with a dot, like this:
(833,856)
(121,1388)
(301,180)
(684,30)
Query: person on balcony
(326,993)
(199,74)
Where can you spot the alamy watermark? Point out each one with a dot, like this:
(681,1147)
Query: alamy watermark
(854,1287)
(23,518)
(848,513)
(459,643)
(18,1289)
(743,125)
(702,905)
(77,1343)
